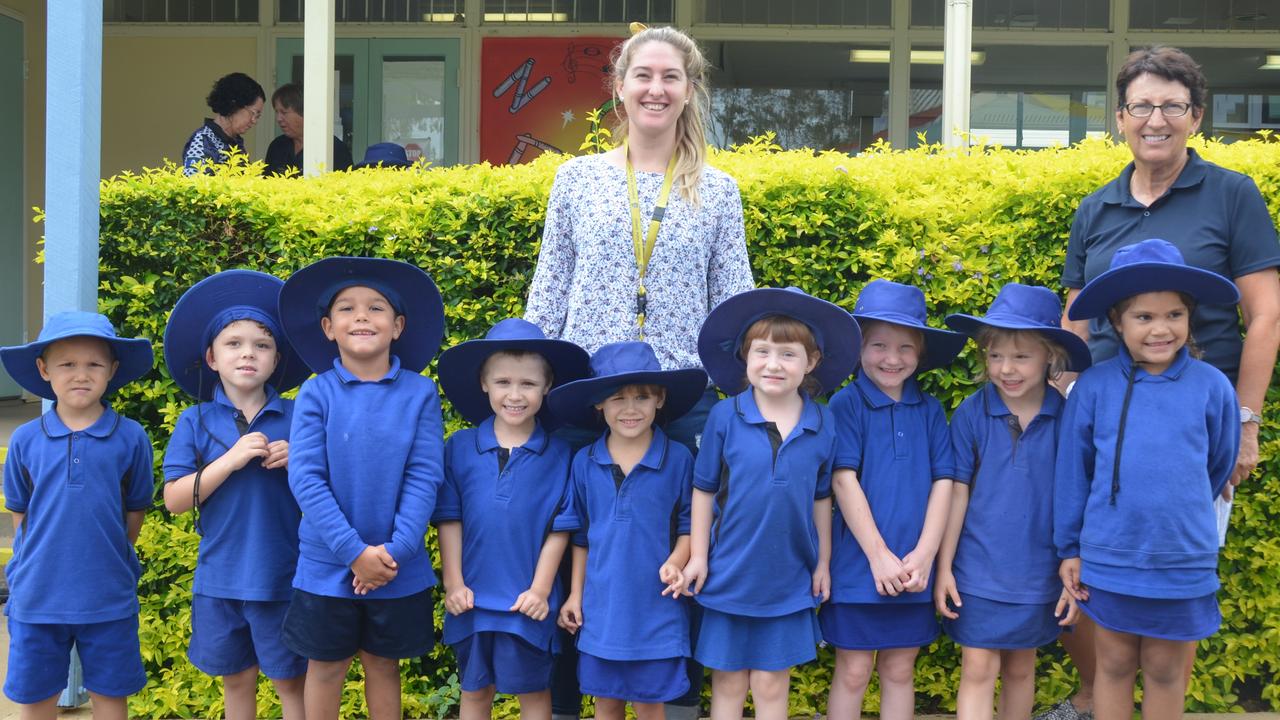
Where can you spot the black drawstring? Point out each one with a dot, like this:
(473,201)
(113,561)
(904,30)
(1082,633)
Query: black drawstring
(1124,417)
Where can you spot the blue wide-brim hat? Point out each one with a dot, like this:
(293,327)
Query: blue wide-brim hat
(1152,265)
(386,154)
(899,304)
(1027,307)
(307,294)
(619,364)
(460,366)
(720,341)
(214,303)
(133,354)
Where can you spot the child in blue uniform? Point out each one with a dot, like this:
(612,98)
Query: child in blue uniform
(893,487)
(78,482)
(365,459)
(504,481)
(997,585)
(761,537)
(1149,439)
(629,512)
(227,460)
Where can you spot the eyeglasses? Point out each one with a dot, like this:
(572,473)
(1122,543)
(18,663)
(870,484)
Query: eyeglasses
(1141,110)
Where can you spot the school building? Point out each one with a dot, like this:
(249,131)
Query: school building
(458,81)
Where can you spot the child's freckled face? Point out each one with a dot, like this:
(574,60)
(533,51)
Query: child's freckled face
(79,369)
(1017,367)
(362,322)
(776,368)
(630,411)
(243,354)
(516,387)
(1154,328)
(890,355)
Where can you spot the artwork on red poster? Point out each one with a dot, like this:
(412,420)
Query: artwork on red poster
(535,94)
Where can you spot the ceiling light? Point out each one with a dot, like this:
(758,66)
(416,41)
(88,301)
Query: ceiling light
(1272,63)
(918,57)
(526,17)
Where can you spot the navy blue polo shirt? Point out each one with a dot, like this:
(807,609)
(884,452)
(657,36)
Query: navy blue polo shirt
(249,545)
(506,501)
(1005,552)
(898,450)
(764,544)
(1216,218)
(365,464)
(1182,433)
(72,559)
(630,525)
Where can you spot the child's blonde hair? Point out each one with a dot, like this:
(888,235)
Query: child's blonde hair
(691,132)
(988,336)
(916,333)
(548,375)
(786,329)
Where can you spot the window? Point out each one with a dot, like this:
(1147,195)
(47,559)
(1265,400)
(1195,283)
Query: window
(578,11)
(1020,14)
(445,11)
(1205,15)
(180,11)
(787,13)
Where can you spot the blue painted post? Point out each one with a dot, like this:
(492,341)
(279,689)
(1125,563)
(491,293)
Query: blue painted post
(73,147)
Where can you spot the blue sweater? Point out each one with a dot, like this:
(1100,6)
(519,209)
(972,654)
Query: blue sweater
(1152,532)
(365,464)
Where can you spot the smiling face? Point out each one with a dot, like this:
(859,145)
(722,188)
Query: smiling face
(516,386)
(1018,365)
(1157,140)
(79,369)
(244,356)
(654,89)
(1154,326)
(363,324)
(890,355)
(629,411)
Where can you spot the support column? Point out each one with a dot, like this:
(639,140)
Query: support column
(900,77)
(956,47)
(317,87)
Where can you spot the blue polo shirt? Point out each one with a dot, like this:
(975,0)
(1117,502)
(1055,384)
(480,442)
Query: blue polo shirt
(365,464)
(1160,538)
(249,545)
(630,525)
(72,559)
(898,450)
(1005,552)
(1216,218)
(506,506)
(764,545)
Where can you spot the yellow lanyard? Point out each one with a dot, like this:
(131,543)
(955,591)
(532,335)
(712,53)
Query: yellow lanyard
(643,245)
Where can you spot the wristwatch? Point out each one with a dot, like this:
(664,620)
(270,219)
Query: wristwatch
(1249,416)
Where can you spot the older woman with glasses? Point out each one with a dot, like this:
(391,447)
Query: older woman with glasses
(236,101)
(1219,221)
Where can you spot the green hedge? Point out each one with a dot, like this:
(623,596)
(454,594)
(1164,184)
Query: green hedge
(958,226)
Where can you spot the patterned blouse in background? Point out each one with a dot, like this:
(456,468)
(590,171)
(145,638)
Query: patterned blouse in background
(208,143)
(584,288)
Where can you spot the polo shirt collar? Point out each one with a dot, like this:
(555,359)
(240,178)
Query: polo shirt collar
(345,375)
(1171,373)
(1051,406)
(101,428)
(487,439)
(652,459)
(1193,173)
(745,404)
(274,403)
(876,398)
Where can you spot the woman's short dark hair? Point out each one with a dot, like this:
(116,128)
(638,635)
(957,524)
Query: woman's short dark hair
(288,96)
(1167,62)
(232,92)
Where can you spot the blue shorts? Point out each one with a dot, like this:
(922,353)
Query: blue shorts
(229,636)
(329,629)
(642,681)
(737,642)
(505,661)
(40,656)
(1179,620)
(999,625)
(878,626)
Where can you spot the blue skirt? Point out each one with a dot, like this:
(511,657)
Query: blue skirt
(998,625)
(1180,620)
(737,642)
(878,626)
(643,681)
(506,661)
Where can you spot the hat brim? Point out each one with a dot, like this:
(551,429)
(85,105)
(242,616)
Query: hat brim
(941,347)
(574,403)
(423,309)
(184,342)
(1078,357)
(134,355)
(1098,296)
(723,329)
(459,372)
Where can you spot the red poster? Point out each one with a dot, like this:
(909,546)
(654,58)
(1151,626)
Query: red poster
(535,94)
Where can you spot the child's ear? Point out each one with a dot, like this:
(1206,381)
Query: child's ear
(208,358)
(326,326)
(115,365)
(814,359)
(662,398)
(42,368)
(397,328)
